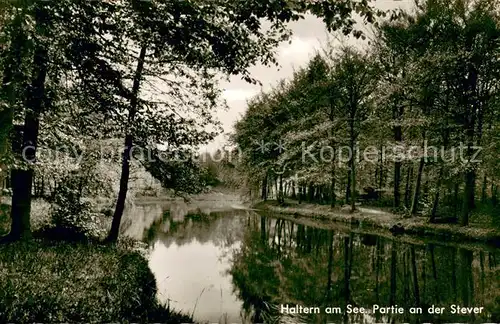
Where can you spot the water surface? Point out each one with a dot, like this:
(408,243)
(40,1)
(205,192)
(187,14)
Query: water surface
(237,266)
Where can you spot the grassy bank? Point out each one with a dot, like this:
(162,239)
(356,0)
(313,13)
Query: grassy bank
(50,281)
(366,217)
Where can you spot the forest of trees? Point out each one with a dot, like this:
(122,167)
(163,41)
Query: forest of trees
(140,76)
(418,105)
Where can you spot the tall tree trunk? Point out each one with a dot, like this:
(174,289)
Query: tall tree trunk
(129,141)
(409,175)
(468,201)
(264,187)
(397,180)
(483,190)
(471,103)
(332,193)
(494,195)
(436,197)
(23,179)
(281,197)
(397,115)
(348,186)
(310,194)
(276,189)
(352,160)
(381,179)
(353,185)
(7,133)
(418,182)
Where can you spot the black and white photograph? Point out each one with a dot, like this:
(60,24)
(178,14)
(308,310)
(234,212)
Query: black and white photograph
(250,161)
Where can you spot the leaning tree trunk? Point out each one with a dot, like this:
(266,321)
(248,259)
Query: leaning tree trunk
(129,141)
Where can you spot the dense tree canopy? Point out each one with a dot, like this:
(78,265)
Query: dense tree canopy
(145,71)
(422,101)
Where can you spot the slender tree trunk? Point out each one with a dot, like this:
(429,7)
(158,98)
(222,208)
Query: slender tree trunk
(494,195)
(264,187)
(129,141)
(348,186)
(280,192)
(353,162)
(276,190)
(353,185)
(382,175)
(310,193)
(414,204)
(455,197)
(468,197)
(483,191)
(398,136)
(397,180)
(436,197)
(409,175)
(332,193)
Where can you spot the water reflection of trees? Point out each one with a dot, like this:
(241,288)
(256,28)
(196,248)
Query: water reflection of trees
(223,229)
(282,262)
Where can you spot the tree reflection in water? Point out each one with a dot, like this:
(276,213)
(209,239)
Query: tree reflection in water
(281,262)
(266,262)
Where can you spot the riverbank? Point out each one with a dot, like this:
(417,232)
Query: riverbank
(375,218)
(51,281)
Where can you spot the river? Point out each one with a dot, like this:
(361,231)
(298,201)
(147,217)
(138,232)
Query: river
(236,266)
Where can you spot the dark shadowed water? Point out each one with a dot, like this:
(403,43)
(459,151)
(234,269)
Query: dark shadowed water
(240,267)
